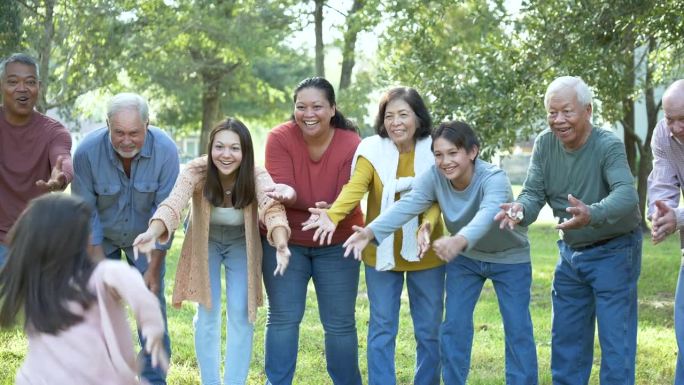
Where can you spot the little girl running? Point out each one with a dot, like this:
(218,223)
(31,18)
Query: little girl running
(77,327)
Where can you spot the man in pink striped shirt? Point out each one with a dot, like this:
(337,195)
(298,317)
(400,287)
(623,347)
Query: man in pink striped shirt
(664,186)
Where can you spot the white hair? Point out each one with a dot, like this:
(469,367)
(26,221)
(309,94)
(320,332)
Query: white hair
(582,91)
(126,101)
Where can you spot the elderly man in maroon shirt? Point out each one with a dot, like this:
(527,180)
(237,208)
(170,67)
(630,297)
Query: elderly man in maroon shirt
(35,150)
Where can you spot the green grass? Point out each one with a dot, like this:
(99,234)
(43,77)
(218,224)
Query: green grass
(656,353)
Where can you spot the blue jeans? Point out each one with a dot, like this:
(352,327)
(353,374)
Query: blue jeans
(596,285)
(464,280)
(154,376)
(679,326)
(3,254)
(227,248)
(426,300)
(336,280)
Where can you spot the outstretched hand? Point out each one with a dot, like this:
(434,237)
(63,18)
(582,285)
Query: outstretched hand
(154,345)
(508,216)
(325,228)
(57,179)
(423,239)
(447,248)
(580,215)
(144,244)
(357,241)
(281,193)
(282,259)
(314,217)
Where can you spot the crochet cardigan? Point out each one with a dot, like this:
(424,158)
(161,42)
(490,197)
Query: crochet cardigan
(192,273)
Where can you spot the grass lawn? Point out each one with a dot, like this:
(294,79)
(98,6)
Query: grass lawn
(656,353)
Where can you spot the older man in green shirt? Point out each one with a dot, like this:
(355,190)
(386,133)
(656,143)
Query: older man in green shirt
(581,171)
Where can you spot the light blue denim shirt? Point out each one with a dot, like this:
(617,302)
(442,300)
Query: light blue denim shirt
(123,205)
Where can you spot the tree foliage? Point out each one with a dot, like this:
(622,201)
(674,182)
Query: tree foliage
(76,43)
(617,48)
(476,63)
(202,60)
(464,57)
(196,60)
(10,28)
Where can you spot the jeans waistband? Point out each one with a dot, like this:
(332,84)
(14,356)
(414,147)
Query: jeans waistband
(602,242)
(226,233)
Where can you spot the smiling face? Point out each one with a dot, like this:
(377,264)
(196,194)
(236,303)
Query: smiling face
(455,163)
(568,119)
(127,132)
(226,152)
(400,124)
(313,112)
(20,88)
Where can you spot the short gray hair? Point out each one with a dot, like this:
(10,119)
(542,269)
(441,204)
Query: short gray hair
(582,90)
(19,58)
(128,101)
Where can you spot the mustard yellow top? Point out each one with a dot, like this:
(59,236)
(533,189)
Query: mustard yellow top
(366,179)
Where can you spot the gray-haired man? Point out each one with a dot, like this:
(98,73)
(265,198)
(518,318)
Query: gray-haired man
(581,171)
(124,171)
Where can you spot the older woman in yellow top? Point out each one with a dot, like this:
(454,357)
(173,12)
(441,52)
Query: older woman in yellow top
(230,196)
(385,165)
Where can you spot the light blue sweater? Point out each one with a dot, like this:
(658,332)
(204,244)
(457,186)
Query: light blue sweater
(469,213)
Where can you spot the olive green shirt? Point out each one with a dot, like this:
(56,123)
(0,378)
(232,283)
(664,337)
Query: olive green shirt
(597,174)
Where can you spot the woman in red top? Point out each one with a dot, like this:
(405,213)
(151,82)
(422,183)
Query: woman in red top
(312,153)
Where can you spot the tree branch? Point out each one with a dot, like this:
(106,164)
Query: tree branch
(335,9)
(633,136)
(33,10)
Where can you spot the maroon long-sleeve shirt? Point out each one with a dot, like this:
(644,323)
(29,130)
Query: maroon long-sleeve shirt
(28,154)
(288,162)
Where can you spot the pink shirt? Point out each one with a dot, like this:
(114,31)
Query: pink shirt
(28,154)
(667,177)
(288,162)
(98,350)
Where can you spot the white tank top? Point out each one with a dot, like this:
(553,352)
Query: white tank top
(226,216)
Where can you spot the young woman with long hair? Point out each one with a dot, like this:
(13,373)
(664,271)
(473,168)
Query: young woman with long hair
(230,196)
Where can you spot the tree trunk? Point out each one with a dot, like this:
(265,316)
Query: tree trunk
(348,52)
(210,109)
(44,53)
(646,161)
(212,71)
(630,134)
(320,54)
(628,112)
